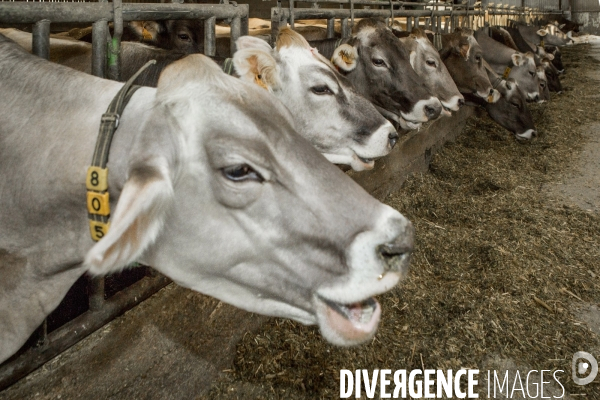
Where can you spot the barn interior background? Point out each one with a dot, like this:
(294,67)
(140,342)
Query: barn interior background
(92,303)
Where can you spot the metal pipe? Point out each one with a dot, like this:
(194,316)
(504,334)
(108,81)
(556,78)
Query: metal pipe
(99,35)
(236,27)
(345,28)
(210,44)
(30,13)
(96,297)
(330,28)
(40,39)
(78,328)
(114,48)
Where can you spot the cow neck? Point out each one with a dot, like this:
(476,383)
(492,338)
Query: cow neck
(98,203)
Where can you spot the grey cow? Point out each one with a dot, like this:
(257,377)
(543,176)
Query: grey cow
(209,183)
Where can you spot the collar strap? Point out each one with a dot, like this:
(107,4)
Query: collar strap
(497,81)
(506,73)
(228,66)
(542,42)
(96,180)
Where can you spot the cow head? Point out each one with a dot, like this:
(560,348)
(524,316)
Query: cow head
(183,35)
(552,75)
(463,57)
(224,197)
(556,58)
(427,63)
(524,72)
(544,91)
(381,71)
(510,111)
(344,126)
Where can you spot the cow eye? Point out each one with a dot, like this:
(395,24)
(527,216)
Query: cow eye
(241,172)
(478,58)
(531,73)
(515,105)
(431,63)
(184,37)
(378,62)
(321,89)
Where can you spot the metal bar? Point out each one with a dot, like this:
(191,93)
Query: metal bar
(345,28)
(236,27)
(30,13)
(330,28)
(114,49)
(326,13)
(78,328)
(244,28)
(409,24)
(99,39)
(40,38)
(210,41)
(96,297)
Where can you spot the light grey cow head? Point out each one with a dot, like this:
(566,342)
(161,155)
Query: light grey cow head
(343,125)
(524,71)
(427,63)
(224,197)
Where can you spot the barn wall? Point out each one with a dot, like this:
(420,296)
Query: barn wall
(586,12)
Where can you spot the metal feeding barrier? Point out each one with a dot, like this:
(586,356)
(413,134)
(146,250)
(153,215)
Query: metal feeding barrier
(437,16)
(91,303)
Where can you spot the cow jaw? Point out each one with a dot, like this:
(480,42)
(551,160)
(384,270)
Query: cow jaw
(347,324)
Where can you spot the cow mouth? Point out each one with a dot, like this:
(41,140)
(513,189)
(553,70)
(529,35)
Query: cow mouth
(397,118)
(351,323)
(368,163)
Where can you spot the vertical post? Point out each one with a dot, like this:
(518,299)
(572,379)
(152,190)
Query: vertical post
(236,27)
(99,35)
(275,21)
(244,28)
(330,28)
(416,22)
(96,298)
(210,43)
(40,42)
(409,24)
(345,28)
(114,62)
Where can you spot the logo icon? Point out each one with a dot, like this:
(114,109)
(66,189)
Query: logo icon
(581,367)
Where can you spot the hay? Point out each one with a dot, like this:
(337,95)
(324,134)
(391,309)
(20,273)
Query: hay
(498,268)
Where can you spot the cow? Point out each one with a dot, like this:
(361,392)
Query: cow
(510,110)
(556,57)
(511,63)
(210,184)
(427,63)
(344,126)
(377,64)
(463,58)
(339,122)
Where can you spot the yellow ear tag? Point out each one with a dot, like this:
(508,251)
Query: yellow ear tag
(97,179)
(97,203)
(258,80)
(98,229)
(146,34)
(490,98)
(506,73)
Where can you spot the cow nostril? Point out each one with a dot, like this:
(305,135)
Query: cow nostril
(461,102)
(396,254)
(431,112)
(534,133)
(491,92)
(393,139)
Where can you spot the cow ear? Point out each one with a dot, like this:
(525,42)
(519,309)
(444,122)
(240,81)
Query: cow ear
(542,32)
(562,26)
(344,57)
(462,49)
(549,56)
(256,66)
(146,31)
(517,59)
(250,42)
(138,218)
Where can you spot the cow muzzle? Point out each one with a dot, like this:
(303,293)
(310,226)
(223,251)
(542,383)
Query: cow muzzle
(377,259)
